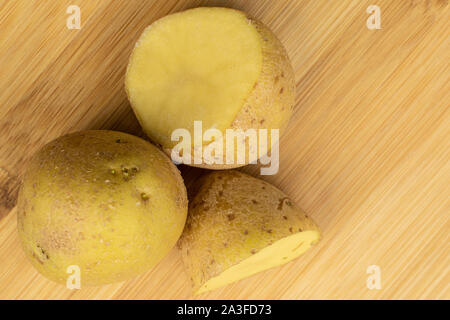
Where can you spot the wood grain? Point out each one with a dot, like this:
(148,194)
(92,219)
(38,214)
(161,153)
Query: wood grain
(366,153)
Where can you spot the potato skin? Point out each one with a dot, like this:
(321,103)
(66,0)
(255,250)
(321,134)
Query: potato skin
(232,217)
(272,99)
(106,201)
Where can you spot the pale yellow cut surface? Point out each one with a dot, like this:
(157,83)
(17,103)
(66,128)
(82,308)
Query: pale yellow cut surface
(279,253)
(200,64)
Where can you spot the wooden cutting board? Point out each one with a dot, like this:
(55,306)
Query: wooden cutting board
(366,153)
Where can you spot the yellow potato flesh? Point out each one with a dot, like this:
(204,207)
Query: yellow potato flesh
(200,64)
(274,255)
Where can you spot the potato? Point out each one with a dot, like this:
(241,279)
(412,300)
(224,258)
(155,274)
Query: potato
(239,225)
(108,202)
(214,65)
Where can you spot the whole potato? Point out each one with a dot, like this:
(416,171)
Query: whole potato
(108,202)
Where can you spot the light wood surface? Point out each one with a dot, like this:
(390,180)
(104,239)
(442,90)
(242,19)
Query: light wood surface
(366,153)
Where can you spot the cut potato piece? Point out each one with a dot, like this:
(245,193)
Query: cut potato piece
(239,225)
(213,65)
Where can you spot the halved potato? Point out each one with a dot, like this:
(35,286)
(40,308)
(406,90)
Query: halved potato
(239,225)
(214,65)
